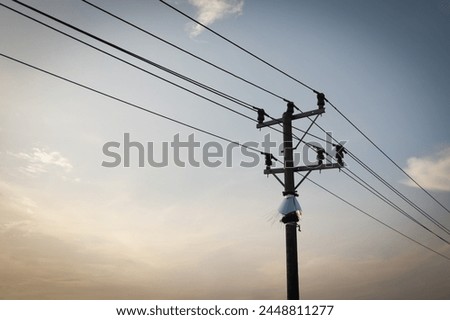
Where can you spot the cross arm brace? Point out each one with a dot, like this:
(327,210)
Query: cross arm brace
(304,168)
(294,117)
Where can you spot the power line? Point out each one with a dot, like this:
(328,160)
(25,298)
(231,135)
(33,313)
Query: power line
(388,185)
(290,189)
(230,98)
(388,157)
(379,195)
(375,192)
(238,46)
(132,54)
(130,104)
(397,192)
(136,106)
(183,50)
(372,217)
(170,71)
(310,88)
(200,59)
(382,197)
(377,220)
(201,85)
(371,189)
(131,64)
(183,77)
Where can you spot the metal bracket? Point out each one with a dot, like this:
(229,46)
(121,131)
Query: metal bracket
(279,180)
(303,179)
(304,168)
(294,117)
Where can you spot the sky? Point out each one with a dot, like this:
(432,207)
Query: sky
(72,228)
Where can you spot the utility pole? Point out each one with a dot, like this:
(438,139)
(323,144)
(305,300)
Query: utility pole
(291,219)
(290,207)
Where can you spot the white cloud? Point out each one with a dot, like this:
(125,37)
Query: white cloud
(432,172)
(39,160)
(210,11)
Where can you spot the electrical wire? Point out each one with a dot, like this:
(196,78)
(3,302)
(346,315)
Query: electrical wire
(183,50)
(379,195)
(315,91)
(388,157)
(165,69)
(382,197)
(217,92)
(136,106)
(198,58)
(395,190)
(375,219)
(375,192)
(132,54)
(313,121)
(387,184)
(238,46)
(201,85)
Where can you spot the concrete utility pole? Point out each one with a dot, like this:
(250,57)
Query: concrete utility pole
(293,292)
(290,204)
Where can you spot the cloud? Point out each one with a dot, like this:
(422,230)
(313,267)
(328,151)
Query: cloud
(210,11)
(432,172)
(38,161)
